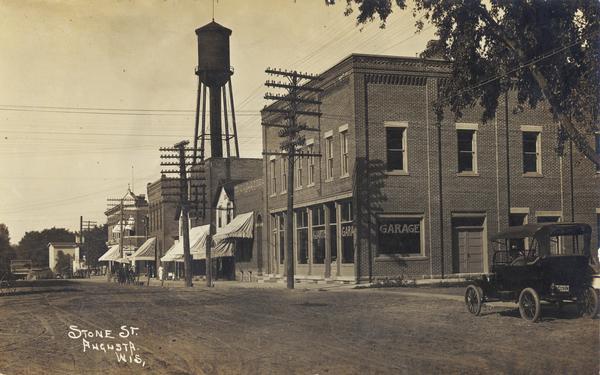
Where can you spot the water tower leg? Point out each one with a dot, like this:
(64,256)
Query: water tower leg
(216,144)
(203,133)
(227,138)
(235,135)
(197,120)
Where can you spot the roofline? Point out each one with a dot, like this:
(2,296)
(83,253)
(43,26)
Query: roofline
(350,59)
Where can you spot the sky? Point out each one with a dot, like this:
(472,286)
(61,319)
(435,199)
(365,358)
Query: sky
(92,89)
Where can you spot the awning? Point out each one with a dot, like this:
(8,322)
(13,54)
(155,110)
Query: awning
(197,246)
(111,255)
(114,254)
(170,255)
(145,252)
(242,226)
(223,248)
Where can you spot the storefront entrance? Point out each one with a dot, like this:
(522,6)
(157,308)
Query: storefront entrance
(323,241)
(468,245)
(225,267)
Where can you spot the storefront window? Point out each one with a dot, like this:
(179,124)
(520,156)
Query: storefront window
(347,232)
(274,235)
(281,238)
(302,235)
(400,236)
(333,229)
(318,234)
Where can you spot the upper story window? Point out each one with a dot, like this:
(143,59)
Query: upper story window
(283,175)
(467,150)
(273,176)
(299,175)
(532,157)
(344,150)
(329,155)
(396,150)
(311,164)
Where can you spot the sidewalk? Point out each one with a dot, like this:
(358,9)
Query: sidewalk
(431,290)
(435,288)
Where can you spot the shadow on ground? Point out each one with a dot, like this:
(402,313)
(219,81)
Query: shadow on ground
(549,312)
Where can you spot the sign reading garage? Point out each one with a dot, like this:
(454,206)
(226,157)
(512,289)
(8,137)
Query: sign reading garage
(399,236)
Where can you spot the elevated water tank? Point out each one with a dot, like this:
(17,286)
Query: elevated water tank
(213,54)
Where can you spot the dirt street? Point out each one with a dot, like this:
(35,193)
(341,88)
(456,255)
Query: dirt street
(233,330)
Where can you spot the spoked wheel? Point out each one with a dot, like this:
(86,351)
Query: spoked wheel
(474,299)
(529,305)
(587,302)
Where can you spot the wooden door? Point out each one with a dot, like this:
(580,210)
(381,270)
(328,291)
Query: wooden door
(469,242)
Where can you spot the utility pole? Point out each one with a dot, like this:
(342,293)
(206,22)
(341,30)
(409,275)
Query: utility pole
(288,107)
(85,225)
(121,229)
(88,224)
(183,183)
(123,202)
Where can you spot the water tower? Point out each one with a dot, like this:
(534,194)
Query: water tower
(214,72)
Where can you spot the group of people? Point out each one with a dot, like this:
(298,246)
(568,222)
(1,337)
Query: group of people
(125,274)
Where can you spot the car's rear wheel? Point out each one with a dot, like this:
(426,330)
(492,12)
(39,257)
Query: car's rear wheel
(587,302)
(474,299)
(529,305)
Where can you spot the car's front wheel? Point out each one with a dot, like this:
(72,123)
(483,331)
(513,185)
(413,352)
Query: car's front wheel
(474,299)
(587,302)
(529,305)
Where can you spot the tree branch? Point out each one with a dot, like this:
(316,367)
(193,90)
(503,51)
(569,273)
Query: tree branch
(565,121)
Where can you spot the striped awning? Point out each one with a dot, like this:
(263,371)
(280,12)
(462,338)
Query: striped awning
(223,248)
(242,226)
(114,254)
(197,246)
(145,252)
(111,255)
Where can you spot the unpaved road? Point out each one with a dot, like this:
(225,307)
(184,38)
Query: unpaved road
(232,330)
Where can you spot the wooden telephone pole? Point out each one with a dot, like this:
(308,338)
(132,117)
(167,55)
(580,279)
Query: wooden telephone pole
(178,191)
(288,108)
(124,201)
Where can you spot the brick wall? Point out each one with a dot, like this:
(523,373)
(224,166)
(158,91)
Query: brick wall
(161,215)
(365,92)
(249,198)
(226,171)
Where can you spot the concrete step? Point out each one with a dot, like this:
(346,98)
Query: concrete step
(267,280)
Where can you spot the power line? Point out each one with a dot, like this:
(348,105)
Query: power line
(97,108)
(102,112)
(98,134)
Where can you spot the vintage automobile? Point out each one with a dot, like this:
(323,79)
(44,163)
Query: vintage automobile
(539,262)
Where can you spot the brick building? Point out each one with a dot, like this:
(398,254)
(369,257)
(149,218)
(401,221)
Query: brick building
(133,217)
(225,173)
(221,176)
(162,223)
(252,253)
(395,195)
